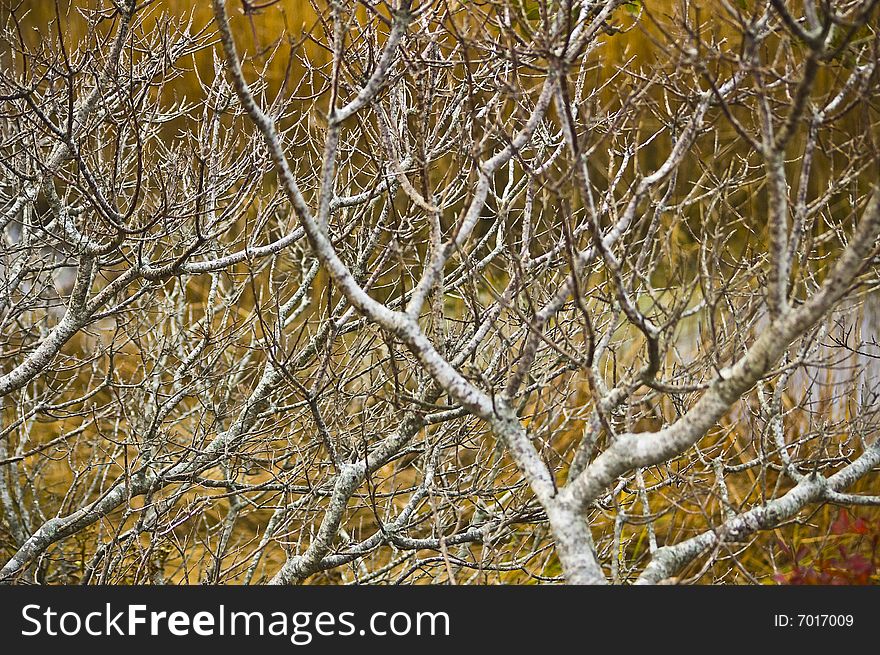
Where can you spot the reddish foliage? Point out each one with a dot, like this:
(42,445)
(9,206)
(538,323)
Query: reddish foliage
(855,563)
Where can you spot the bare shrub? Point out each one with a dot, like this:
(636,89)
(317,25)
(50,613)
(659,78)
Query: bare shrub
(437,291)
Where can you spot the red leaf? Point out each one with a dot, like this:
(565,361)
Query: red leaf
(859,565)
(842,524)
